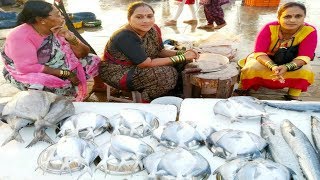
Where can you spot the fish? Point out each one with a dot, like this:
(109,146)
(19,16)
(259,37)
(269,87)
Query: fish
(229,170)
(240,107)
(231,144)
(295,106)
(278,148)
(16,124)
(260,169)
(60,109)
(315,132)
(302,148)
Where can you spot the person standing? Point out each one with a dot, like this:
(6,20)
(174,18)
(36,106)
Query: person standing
(214,14)
(190,3)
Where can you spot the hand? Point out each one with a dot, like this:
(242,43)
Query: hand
(280,70)
(74,79)
(191,55)
(62,31)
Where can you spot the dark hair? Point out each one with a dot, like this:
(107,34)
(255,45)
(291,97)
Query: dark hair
(133,6)
(291,4)
(33,9)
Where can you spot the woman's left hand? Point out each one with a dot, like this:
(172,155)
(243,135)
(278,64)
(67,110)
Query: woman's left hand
(191,55)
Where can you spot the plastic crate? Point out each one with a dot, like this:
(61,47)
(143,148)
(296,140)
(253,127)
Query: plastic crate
(263,3)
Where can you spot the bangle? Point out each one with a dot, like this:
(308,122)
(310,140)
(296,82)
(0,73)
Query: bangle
(270,64)
(74,41)
(64,73)
(291,66)
(178,59)
(180,52)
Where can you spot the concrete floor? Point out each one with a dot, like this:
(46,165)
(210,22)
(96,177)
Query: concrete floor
(242,21)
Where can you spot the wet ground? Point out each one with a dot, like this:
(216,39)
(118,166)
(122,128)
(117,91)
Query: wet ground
(242,21)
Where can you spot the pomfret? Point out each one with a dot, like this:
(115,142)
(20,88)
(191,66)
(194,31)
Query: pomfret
(229,170)
(302,148)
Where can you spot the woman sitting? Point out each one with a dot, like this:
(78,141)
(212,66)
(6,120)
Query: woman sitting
(42,54)
(282,54)
(135,59)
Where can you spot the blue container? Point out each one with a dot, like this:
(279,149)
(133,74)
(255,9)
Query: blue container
(8,15)
(9,23)
(82,16)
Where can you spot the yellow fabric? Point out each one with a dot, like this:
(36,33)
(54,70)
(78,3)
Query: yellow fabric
(294,92)
(254,68)
(257,54)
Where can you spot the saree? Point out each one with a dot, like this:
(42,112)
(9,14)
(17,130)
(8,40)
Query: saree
(120,72)
(54,52)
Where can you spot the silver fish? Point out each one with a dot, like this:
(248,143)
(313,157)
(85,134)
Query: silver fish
(16,124)
(315,131)
(60,109)
(296,106)
(240,107)
(279,149)
(262,169)
(229,170)
(308,158)
(231,144)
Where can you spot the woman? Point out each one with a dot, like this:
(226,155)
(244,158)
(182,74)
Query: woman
(134,57)
(190,3)
(282,54)
(214,14)
(42,54)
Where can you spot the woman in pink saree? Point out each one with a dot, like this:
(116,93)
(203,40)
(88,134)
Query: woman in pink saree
(42,54)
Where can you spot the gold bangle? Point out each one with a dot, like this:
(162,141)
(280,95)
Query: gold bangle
(180,52)
(270,64)
(74,41)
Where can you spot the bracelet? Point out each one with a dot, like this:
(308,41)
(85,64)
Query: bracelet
(64,73)
(180,52)
(74,41)
(178,59)
(270,64)
(291,66)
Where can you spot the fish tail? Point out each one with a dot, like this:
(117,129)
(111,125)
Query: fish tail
(14,136)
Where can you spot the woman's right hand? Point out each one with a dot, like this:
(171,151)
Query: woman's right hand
(191,55)
(74,79)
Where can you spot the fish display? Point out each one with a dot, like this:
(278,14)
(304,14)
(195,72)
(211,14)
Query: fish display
(228,171)
(231,144)
(302,148)
(178,163)
(278,148)
(134,122)
(86,125)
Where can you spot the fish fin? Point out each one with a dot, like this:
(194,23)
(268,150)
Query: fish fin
(14,136)
(86,169)
(90,134)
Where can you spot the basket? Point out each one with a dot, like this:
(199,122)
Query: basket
(262,3)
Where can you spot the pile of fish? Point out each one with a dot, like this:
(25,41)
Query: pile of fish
(123,155)
(182,134)
(43,109)
(231,144)
(289,146)
(68,155)
(86,125)
(244,169)
(178,163)
(134,122)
